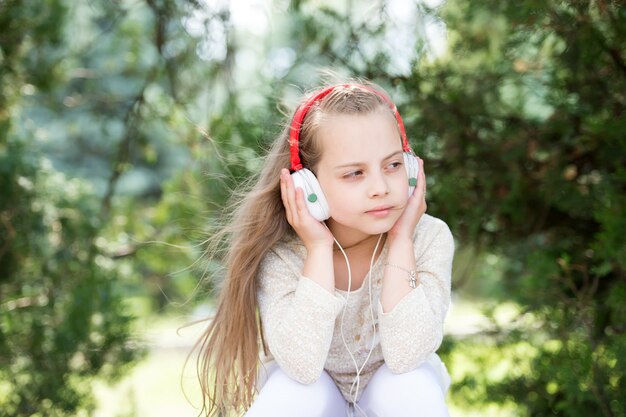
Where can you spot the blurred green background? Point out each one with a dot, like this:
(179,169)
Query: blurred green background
(124,125)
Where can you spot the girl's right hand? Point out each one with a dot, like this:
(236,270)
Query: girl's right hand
(312,232)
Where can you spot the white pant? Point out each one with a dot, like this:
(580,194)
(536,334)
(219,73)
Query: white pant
(418,393)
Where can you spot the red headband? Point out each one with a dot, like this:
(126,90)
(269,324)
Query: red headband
(301,112)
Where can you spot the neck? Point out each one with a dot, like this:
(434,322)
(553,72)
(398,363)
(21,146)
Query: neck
(364,242)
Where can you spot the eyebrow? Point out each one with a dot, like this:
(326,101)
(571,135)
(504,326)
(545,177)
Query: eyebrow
(351,164)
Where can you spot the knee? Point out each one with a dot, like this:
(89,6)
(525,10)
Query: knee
(413,393)
(319,396)
(283,396)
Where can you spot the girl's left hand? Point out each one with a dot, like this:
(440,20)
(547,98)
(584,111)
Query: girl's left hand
(415,208)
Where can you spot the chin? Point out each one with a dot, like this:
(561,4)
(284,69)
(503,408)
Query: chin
(379,230)
(364,224)
(379,227)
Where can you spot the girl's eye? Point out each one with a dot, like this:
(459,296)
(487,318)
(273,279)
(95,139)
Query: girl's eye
(395,165)
(353,174)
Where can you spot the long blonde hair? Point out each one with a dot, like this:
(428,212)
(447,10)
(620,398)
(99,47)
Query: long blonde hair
(228,357)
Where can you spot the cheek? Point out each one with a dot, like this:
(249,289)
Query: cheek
(337,194)
(401,184)
(404,190)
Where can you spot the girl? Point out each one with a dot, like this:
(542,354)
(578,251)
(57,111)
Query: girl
(348,312)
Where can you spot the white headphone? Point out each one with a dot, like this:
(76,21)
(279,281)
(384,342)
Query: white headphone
(305,179)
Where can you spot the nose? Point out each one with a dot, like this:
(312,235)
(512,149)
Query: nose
(378,185)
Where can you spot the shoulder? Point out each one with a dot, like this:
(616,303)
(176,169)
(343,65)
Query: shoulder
(430,230)
(430,225)
(288,251)
(289,246)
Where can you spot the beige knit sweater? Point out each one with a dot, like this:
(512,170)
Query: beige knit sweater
(302,320)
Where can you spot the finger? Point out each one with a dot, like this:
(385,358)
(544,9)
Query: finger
(423,181)
(421,184)
(284,194)
(283,189)
(292,199)
(300,203)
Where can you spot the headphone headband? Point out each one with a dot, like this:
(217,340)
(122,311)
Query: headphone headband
(301,112)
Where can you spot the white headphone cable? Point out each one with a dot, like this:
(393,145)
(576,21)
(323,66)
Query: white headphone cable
(373,327)
(343,313)
(359,370)
(357,380)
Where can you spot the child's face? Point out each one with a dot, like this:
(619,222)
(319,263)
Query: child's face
(362,174)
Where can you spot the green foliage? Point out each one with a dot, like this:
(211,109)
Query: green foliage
(528,117)
(62,317)
(124,126)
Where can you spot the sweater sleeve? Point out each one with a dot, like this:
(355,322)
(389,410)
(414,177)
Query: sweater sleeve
(298,315)
(413,329)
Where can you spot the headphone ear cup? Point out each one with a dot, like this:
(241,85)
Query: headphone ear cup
(313,194)
(412,169)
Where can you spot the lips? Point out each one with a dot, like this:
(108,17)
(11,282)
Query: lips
(380,211)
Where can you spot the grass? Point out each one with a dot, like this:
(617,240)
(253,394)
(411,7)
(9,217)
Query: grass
(155,386)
